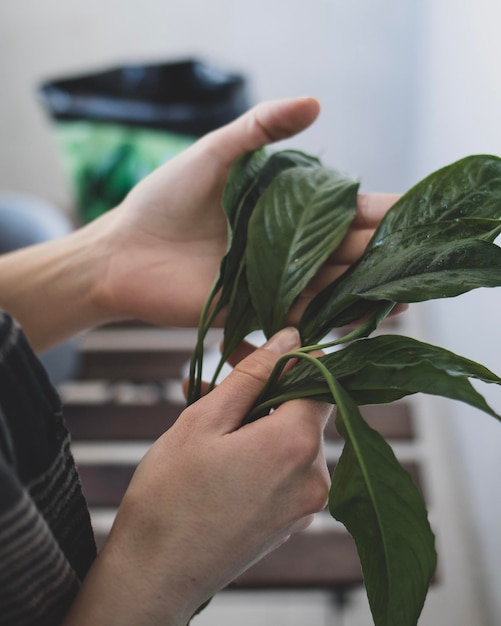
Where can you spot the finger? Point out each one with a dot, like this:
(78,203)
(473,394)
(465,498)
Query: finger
(313,414)
(372,207)
(351,248)
(204,388)
(265,123)
(324,277)
(245,349)
(297,429)
(227,405)
(242,351)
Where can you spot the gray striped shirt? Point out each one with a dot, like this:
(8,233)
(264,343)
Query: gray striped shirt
(46,540)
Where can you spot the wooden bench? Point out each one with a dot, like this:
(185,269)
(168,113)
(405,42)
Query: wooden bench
(124,395)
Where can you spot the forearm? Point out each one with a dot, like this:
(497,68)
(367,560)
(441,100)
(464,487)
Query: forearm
(119,591)
(52,288)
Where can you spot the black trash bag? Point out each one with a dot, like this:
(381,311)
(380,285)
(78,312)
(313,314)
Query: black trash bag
(116,126)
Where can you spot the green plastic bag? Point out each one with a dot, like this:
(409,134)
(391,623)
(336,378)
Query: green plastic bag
(114,127)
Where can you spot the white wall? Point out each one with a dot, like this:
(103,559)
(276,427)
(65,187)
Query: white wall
(358,57)
(460,108)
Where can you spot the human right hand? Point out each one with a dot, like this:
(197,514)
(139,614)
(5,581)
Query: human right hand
(209,499)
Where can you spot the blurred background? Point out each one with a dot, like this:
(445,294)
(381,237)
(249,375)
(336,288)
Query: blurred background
(406,87)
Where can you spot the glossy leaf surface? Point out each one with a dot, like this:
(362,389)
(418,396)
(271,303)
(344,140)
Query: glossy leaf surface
(384,512)
(241,317)
(433,243)
(385,368)
(297,223)
(242,176)
(468,188)
(247,181)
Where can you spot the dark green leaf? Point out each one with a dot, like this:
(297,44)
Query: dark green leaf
(424,272)
(433,243)
(242,176)
(468,188)
(297,223)
(409,272)
(385,368)
(378,503)
(256,174)
(241,319)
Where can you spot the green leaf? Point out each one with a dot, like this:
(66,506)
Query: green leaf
(433,243)
(410,272)
(242,176)
(248,178)
(298,222)
(468,188)
(385,368)
(375,498)
(241,318)
(247,181)
(434,270)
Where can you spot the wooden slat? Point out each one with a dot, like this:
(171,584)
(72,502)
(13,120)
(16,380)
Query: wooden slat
(309,560)
(120,422)
(104,485)
(393,421)
(132,365)
(126,422)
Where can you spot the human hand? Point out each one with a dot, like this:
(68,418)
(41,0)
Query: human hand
(166,241)
(209,499)
(155,256)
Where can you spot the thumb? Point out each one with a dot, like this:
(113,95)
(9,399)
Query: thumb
(264,123)
(227,405)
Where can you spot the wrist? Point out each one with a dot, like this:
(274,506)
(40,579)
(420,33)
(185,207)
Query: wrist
(50,287)
(95,251)
(124,591)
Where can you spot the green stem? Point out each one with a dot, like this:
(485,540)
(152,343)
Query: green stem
(260,408)
(206,319)
(217,371)
(332,383)
(264,407)
(362,330)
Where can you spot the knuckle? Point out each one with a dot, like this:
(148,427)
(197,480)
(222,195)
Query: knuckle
(318,492)
(307,458)
(256,368)
(303,446)
(315,495)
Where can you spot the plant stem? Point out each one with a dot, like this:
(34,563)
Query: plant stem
(206,319)
(217,371)
(363,330)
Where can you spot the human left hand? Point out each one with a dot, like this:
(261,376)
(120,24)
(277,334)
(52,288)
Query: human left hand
(166,240)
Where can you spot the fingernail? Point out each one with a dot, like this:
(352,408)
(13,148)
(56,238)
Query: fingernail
(284,341)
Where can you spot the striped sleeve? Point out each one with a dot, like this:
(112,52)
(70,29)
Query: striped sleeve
(37,583)
(46,539)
